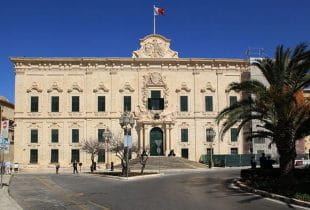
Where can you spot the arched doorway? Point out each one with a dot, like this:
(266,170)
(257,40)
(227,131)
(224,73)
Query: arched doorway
(156,137)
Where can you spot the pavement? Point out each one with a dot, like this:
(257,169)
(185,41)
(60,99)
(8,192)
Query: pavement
(6,202)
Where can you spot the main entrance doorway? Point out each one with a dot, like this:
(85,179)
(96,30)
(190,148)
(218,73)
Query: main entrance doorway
(156,142)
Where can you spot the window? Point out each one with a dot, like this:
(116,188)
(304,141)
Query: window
(184,103)
(209,103)
(75,104)
(54,135)
(55,104)
(259,140)
(54,156)
(100,135)
(101,103)
(155,102)
(184,135)
(209,151)
(210,134)
(34,107)
(33,156)
(75,136)
(34,136)
(101,156)
(75,155)
(232,100)
(184,153)
(155,94)
(233,134)
(234,151)
(127,103)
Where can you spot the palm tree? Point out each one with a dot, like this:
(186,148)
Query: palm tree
(279,107)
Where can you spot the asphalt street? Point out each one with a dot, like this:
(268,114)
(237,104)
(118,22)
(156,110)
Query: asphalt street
(208,190)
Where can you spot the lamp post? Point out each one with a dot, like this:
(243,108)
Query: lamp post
(210,137)
(127,122)
(107,135)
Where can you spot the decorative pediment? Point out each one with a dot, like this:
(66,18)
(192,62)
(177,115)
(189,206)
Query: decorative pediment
(34,125)
(101,125)
(154,79)
(128,87)
(209,125)
(208,87)
(184,125)
(54,87)
(54,125)
(184,87)
(101,87)
(154,46)
(75,125)
(76,87)
(35,87)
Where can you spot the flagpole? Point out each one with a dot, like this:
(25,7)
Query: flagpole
(154,23)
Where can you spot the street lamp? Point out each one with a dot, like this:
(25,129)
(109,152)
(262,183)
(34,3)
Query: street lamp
(127,122)
(210,137)
(107,135)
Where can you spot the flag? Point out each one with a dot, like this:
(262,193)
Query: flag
(159,11)
(5,129)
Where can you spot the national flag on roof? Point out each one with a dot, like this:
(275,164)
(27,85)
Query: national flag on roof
(159,11)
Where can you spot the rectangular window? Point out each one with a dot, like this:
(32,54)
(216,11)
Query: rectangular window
(234,151)
(210,134)
(54,156)
(101,156)
(259,140)
(233,134)
(155,94)
(101,103)
(34,136)
(232,100)
(54,136)
(100,135)
(209,151)
(55,104)
(33,156)
(209,103)
(127,103)
(184,135)
(75,135)
(34,107)
(184,153)
(75,155)
(184,103)
(75,103)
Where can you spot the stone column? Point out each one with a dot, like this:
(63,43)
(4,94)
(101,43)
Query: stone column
(166,148)
(169,137)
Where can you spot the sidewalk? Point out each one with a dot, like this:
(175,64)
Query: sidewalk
(6,202)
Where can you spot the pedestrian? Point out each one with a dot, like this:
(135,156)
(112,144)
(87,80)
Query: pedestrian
(253,162)
(75,167)
(57,168)
(263,161)
(7,167)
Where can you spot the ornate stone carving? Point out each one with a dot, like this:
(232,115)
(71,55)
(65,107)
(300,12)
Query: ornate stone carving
(101,87)
(128,87)
(54,87)
(183,87)
(76,87)
(154,46)
(35,87)
(208,87)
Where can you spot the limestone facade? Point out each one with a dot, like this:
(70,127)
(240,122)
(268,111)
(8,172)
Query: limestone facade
(154,69)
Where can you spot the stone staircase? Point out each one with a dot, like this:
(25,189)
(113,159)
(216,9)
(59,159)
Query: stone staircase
(153,163)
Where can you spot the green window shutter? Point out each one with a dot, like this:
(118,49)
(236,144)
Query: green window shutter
(54,156)
(75,155)
(233,134)
(55,136)
(155,94)
(209,103)
(100,135)
(75,136)
(101,103)
(34,106)
(184,103)
(232,100)
(33,156)
(55,104)
(184,135)
(75,103)
(101,156)
(34,136)
(127,103)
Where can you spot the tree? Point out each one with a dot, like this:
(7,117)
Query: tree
(143,159)
(117,146)
(93,147)
(280,108)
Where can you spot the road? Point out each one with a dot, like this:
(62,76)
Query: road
(208,190)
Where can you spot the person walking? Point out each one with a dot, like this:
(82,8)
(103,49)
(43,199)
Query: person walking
(75,167)
(263,161)
(57,168)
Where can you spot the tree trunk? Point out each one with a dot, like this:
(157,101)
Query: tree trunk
(142,168)
(92,163)
(287,152)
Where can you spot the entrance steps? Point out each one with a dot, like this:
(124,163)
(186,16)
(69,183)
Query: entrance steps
(153,163)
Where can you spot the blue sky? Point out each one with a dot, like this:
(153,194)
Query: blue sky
(197,28)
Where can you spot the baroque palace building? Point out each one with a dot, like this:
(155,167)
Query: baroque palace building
(60,102)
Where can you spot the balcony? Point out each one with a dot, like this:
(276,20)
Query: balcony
(155,103)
